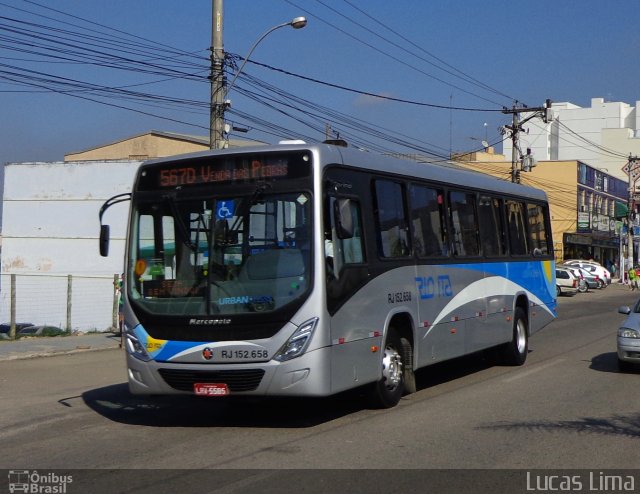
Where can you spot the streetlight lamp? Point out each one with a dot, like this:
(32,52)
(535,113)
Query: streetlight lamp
(218,107)
(297,23)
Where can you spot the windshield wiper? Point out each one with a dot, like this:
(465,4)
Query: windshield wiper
(246,206)
(182,228)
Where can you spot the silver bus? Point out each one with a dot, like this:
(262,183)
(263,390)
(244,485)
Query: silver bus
(308,270)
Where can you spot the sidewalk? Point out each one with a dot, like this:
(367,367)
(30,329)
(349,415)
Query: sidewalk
(30,347)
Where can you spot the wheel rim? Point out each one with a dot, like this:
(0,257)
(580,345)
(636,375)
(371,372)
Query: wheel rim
(521,336)
(391,368)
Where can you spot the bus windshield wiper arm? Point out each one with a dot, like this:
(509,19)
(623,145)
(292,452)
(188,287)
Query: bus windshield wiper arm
(184,231)
(246,207)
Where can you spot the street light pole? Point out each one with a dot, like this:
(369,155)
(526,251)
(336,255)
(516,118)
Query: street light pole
(297,23)
(218,92)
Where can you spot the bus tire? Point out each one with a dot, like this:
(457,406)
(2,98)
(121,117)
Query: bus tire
(386,392)
(515,351)
(407,361)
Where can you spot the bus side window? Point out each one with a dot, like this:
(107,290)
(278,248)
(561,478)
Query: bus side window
(340,252)
(538,236)
(393,235)
(491,226)
(352,249)
(516,228)
(427,220)
(464,223)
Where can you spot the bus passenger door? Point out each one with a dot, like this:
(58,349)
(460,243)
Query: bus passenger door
(349,302)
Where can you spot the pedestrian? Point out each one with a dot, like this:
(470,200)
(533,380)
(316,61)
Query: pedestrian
(632,278)
(119,287)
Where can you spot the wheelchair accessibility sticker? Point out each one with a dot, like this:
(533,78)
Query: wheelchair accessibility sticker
(225,210)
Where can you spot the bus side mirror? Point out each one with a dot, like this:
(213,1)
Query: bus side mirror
(343,218)
(104,240)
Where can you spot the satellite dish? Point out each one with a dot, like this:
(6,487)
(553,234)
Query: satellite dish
(485,144)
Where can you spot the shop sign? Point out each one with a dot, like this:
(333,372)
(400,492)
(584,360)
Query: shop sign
(583,221)
(603,224)
(578,239)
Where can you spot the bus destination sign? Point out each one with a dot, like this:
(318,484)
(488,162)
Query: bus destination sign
(216,171)
(189,175)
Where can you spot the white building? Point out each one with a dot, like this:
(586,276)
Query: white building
(50,230)
(602,136)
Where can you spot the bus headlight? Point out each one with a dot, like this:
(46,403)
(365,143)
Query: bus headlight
(134,347)
(298,342)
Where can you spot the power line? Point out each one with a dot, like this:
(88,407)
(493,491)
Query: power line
(97,46)
(374,95)
(454,71)
(388,55)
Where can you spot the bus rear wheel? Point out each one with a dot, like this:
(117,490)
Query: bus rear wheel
(515,351)
(386,392)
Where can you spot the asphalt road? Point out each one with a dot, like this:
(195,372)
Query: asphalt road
(567,408)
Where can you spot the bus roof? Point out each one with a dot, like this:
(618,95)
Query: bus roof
(445,172)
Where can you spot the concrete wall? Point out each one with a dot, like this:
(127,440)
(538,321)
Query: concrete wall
(51,229)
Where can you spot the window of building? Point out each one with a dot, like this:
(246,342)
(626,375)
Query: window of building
(582,206)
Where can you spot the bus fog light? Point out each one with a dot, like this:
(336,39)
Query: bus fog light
(298,342)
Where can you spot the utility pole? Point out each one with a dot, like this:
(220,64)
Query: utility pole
(543,112)
(219,89)
(216,109)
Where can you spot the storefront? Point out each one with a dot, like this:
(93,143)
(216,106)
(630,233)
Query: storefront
(597,238)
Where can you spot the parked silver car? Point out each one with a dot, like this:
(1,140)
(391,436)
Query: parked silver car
(629,337)
(588,279)
(583,284)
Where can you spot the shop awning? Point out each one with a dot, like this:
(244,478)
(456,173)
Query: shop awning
(621,210)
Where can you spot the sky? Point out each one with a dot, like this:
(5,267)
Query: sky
(410,76)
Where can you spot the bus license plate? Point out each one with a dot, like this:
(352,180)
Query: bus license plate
(211,389)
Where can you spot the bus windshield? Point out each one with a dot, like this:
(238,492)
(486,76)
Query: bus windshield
(232,254)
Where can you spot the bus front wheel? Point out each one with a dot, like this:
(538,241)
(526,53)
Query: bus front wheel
(386,392)
(515,351)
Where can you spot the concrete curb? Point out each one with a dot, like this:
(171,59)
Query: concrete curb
(38,347)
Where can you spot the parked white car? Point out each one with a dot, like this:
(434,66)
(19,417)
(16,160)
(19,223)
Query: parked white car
(566,282)
(594,268)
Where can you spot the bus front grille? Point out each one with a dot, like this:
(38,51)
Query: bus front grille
(237,380)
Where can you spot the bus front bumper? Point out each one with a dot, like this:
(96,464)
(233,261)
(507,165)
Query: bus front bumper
(307,375)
